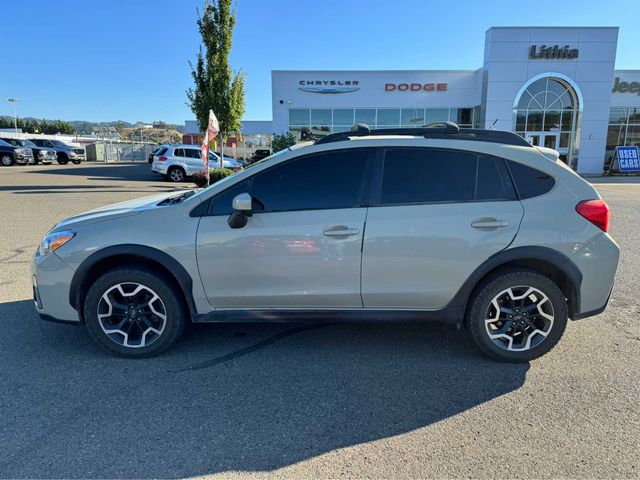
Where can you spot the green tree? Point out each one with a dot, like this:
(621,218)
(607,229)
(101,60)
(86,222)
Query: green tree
(216,87)
(280,142)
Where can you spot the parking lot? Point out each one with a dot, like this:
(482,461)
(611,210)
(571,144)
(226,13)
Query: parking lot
(334,400)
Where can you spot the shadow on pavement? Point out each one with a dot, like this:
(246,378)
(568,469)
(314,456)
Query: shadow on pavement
(111,171)
(232,397)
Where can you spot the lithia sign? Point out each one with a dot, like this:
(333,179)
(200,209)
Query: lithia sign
(554,52)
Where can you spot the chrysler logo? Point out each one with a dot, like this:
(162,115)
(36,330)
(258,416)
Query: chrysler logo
(329,86)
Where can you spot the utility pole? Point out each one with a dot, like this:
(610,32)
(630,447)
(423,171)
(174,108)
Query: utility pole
(13,102)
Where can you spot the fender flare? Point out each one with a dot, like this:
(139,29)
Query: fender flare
(458,306)
(175,269)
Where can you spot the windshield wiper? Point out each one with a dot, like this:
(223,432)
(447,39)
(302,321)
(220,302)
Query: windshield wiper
(177,198)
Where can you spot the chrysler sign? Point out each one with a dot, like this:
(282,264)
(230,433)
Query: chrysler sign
(328,86)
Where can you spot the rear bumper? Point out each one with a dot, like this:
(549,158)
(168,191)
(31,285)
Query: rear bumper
(598,262)
(157,168)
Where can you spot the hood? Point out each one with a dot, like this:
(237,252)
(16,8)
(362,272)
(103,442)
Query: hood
(116,210)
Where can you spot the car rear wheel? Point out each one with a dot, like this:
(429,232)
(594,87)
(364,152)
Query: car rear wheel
(176,174)
(63,159)
(134,312)
(518,316)
(6,160)
(75,162)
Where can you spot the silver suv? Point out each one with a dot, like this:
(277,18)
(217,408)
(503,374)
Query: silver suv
(177,162)
(473,227)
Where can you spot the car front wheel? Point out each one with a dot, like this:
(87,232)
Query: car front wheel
(518,316)
(6,160)
(134,312)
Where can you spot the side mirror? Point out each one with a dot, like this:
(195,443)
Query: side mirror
(241,210)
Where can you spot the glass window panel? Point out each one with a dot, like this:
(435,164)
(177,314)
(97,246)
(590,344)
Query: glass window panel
(311,183)
(416,176)
(552,121)
(321,117)
(321,130)
(557,88)
(538,100)
(342,128)
(634,115)
(524,100)
(633,135)
(521,120)
(529,181)
(537,86)
(493,182)
(299,116)
(461,116)
(534,121)
(615,136)
(389,117)
(343,116)
(564,140)
(366,115)
(436,115)
(567,101)
(567,121)
(412,117)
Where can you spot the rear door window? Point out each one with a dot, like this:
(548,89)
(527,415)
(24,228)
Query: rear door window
(178,152)
(428,175)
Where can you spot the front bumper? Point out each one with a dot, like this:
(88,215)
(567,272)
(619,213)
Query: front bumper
(51,279)
(46,158)
(24,159)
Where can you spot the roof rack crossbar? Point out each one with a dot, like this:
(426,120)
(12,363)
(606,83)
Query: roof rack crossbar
(441,130)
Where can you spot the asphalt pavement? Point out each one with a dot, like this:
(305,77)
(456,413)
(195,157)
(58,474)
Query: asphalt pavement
(300,401)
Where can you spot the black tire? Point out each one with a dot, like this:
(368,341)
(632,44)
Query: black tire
(481,308)
(75,162)
(6,159)
(152,281)
(62,158)
(176,174)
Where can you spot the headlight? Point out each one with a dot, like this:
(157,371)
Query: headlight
(19,150)
(53,241)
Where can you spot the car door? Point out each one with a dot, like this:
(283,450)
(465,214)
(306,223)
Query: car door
(301,248)
(437,214)
(194,160)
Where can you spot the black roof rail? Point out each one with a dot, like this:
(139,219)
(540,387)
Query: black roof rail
(441,130)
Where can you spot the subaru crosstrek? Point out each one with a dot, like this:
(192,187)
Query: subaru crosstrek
(473,227)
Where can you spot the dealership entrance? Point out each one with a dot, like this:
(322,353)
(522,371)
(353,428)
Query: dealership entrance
(547,114)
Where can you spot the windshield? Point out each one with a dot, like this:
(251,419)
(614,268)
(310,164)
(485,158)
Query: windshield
(58,143)
(4,144)
(28,143)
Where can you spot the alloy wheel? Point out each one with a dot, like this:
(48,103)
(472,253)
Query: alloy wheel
(176,175)
(132,315)
(519,318)
(6,160)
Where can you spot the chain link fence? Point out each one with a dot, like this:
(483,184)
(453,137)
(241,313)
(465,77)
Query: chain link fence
(119,152)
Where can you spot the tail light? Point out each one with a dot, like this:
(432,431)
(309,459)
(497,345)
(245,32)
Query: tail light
(596,211)
(163,159)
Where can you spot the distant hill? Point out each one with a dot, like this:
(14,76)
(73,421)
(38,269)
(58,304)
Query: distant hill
(86,127)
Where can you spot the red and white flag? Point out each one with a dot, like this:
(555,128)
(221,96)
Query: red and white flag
(212,132)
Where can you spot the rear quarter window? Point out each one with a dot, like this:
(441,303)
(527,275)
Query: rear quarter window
(529,181)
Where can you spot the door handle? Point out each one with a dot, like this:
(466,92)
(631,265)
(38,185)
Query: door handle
(341,232)
(488,223)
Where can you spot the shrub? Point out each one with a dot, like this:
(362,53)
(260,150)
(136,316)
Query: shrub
(280,142)
(218,174)
(200,179)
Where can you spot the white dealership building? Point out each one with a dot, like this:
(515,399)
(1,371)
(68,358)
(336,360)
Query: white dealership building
(555,86)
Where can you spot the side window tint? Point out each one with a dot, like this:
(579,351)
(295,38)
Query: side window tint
(193,153)
(529,181)
(493,181)
(336,179)
(178,152)
(162,151)
(221,204)
(428,175)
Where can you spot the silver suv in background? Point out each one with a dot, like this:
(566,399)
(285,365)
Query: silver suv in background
(473,227)
(177,162)
(64,152)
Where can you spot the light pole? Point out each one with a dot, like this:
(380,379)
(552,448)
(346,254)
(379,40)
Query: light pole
(13,102)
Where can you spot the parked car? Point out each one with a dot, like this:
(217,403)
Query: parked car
(178,162)
(473,227)
(152,154)
(65,153)
(40,154)
(11,154)
(259,154)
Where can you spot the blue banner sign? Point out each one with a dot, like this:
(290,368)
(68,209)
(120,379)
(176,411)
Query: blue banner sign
(628,159)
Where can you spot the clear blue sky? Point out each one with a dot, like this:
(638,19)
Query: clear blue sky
(128,60)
